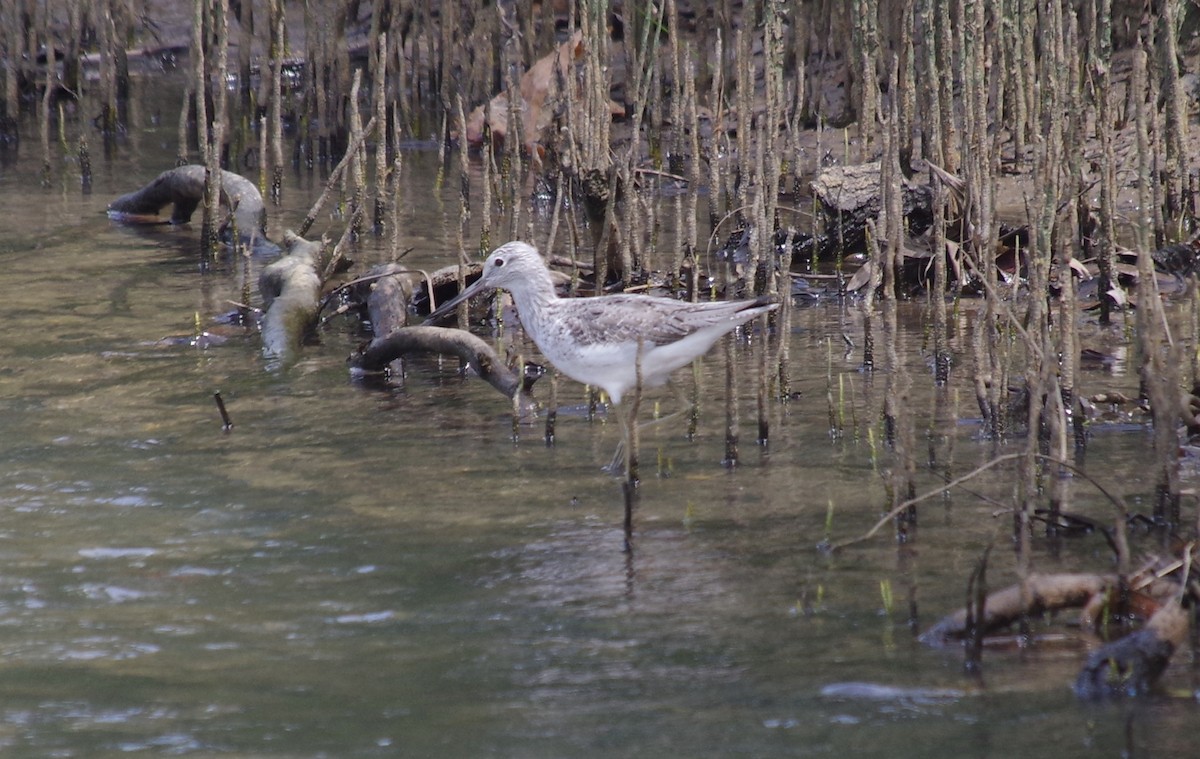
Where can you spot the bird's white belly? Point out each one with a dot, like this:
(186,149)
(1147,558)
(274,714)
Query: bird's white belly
(610,366)
(613,366)
(596,357)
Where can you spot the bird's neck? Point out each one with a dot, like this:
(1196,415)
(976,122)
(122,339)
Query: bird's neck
(531,299)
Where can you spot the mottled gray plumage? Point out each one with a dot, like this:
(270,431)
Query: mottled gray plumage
(596,340)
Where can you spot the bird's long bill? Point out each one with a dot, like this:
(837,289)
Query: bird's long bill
(451,304)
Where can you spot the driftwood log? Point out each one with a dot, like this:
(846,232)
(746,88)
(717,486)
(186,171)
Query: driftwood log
(389,293)
(182,188)
(442,285)
(1005,607)
(850,196)
(291,293)
(1127,666)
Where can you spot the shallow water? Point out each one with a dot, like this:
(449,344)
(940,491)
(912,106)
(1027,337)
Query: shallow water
(355,571)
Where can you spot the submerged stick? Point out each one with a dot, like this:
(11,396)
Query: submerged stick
(227,423)
(974,629)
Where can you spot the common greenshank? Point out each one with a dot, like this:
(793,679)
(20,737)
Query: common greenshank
(601,341)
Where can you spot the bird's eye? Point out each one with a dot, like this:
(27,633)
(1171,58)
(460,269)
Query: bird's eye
(498,263)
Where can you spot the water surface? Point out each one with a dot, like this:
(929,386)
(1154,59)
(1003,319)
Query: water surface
(354,571)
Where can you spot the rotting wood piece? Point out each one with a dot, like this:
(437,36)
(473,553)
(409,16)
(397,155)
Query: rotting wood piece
(183,189)
(848,198)
(388,293)
(1005,607)
(1130,666)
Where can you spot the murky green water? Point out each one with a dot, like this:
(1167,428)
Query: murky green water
(355,572)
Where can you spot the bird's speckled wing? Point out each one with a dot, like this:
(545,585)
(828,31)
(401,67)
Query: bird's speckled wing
(659,321)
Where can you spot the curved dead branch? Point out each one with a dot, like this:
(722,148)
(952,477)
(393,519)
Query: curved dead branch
(472,350)
(1116,500)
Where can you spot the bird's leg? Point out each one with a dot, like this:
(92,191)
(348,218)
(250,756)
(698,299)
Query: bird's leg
(630,423)
(632,439)
(625,458)
(688,406)
(616,466)
(630,486)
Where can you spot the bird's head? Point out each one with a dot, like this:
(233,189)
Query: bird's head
(513,266)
